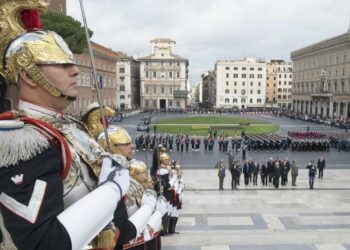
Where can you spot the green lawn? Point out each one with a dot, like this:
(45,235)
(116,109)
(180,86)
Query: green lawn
(208,120)
(226,125)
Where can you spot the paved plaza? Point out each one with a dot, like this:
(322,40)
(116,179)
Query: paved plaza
(262,217)
(257,217)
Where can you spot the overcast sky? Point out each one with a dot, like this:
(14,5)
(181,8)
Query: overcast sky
(208,30)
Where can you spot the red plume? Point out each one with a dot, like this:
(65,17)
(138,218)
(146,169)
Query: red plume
(31,19)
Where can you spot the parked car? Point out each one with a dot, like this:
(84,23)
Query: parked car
(327,122)
(174,109)
(146,120)
(142,127)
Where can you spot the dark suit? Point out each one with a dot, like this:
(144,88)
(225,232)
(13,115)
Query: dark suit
(321,164)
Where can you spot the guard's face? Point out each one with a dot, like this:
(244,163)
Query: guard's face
(142,177)
(127,150)
(62,77)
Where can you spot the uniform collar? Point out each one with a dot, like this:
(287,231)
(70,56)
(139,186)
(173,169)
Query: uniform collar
(37,110)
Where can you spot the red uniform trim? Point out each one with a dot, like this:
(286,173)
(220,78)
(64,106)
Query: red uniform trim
(48,128)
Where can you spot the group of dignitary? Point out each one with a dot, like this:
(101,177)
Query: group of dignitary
(65,184)
(273,171)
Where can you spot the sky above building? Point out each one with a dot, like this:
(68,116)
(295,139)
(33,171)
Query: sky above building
(209,30)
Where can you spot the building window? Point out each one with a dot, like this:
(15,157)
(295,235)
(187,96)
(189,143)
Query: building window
(178,103)
(258,100)
(122,88)
(243,84)
(162,90)
(146,74)
(146,90)
(243,68)
(243,91)
(122,97)
(243,100)
(227,100)
(259,75)
(235,75)
(60,7)
(226,83)
(122,70)
(227,91)
(170,74)
(251,100)
(235,91)
(171,91)
(235,84)
(178,64)
(259,91)
(227,68)
(154,74)
(227,75)
(251,91)
(244,75)
(259,84)
(178,74)
(234,100)
(251,84)
(259,69)
(251,69)
(251,75)
(235,68)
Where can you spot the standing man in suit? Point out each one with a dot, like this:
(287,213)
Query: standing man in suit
(321,165)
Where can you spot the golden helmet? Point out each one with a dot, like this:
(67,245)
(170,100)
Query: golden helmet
(117,136)
(92,118)
(137,167)
(164,157)
(28,49)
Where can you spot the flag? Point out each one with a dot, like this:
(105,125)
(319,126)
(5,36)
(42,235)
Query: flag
(99,81)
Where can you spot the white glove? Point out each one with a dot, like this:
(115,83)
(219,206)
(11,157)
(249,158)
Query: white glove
(161,205)
(117,179)
(149,198)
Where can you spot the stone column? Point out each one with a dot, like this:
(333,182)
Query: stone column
(325,104)
(338,109)
(309,108)
(346,107)
(319,108)
(305,108)
(331,108)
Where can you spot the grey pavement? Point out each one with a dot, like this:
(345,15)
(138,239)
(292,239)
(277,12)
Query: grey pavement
(262,218)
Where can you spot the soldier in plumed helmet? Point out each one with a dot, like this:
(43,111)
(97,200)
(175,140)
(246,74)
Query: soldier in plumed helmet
(138,218)
(48,160)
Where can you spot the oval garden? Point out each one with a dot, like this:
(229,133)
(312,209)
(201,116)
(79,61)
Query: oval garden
(201,125)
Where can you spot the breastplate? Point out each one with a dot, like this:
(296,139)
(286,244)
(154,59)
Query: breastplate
(86,161)
(135,192)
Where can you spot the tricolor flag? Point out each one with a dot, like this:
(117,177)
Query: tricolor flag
(99,81)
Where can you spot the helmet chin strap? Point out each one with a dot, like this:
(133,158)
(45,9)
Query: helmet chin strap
(39,78)
(66,97)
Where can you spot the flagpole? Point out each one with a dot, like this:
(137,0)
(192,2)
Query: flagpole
(94,73)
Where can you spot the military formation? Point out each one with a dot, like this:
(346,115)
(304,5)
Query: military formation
(295,141)
(308,141)
(186,143)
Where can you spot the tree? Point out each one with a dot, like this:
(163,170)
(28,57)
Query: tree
(70,29)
